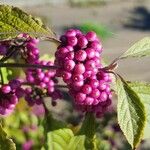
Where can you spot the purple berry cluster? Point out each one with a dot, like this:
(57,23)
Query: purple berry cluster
(9,95)
(78,57)
(44,84)
(29,51)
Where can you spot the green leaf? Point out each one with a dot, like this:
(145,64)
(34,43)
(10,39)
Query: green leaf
(143,91)
(4,75)
(64,139)
(5,142)
(14,21)
(102,144)
(88,129)
(139,49)
(59,139)
(131,113)
(51,123)
(88,126)
(77,143)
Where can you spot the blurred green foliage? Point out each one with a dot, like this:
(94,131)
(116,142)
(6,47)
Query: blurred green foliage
(102,31)
(87,2)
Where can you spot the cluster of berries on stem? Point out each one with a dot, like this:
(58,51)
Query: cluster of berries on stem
(79,59)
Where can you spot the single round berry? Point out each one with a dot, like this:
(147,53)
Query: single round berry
(71,32)
(66,75)
(69,65)
(80,55)
(91,36)
(89,100)
(6,89)
(103,96)
(62,52)
(90,53)
(77,77)
(95,93)
(82,42)
(102,85)
(70,55)
(80,97)
(79,68)
(78,83)
(94,83)
(72,40)
(90,65)
(86,89)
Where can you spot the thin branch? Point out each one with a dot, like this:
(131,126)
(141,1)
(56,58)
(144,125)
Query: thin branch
(32,84)
(60,86)
(17,65)
(51,39)
(1,75)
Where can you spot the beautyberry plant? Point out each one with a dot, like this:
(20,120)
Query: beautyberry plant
(78,67)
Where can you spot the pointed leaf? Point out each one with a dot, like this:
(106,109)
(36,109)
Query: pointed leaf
(5,142)
(14,21)
(59,139)
(131,113)
(139,49)
(88,126)
(143,91)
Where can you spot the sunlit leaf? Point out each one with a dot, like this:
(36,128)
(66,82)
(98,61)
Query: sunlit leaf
(139,49)
(59,139)
(131,113)
(13,21)
(143,91)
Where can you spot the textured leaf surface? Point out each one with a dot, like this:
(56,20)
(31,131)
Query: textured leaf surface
(5,142)
(77,143)
(64,139)
(139,49)
(59,139)
(131,113)
(143,91)
(13,21)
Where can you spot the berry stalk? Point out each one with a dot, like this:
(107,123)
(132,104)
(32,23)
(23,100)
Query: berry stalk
(18,65)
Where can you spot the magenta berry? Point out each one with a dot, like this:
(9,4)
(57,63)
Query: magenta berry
(80,55)
(6,89)
(80,97)
(77,77)
(71,32)
(79,68)
(95,93)
(69,65)
(87,89)
(90,65)
(9,97)
(89,100)
(91,36)
(72,40)
(82,42)
(90,53)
